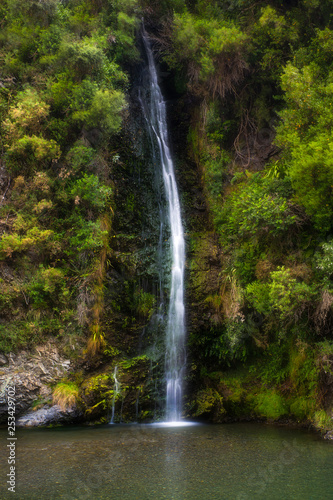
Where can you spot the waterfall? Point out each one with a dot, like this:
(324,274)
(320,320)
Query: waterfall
(175,356)
(116,390)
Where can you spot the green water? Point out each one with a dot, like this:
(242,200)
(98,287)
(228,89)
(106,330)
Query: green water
(204,462)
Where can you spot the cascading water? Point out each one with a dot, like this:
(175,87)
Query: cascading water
(175,357)
(116,390)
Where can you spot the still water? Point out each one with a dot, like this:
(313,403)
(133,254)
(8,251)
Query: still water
(200,462)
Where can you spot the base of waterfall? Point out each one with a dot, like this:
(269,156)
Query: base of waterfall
(180,423)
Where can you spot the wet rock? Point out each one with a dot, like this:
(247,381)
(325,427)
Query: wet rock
(329,435)
(48,416)
(3,360)
(30,374)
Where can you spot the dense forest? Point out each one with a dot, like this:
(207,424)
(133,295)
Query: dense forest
(248,86)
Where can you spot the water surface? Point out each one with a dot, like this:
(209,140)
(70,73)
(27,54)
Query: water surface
(203,462)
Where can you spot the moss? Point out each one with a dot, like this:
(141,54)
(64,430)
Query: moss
(270,404)
(302,408)
(97,393)
(208,401)
(323,420)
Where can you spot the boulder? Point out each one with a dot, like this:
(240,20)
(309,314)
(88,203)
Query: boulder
(48,416)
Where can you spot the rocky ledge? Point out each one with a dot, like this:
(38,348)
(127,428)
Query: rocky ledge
(48,416)
(31,374)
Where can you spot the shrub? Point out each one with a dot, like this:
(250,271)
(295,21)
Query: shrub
(305,133)
(287,295)
(84,57)
(26,116)
(87,236)
(256,208)
(282,295)
(66,395)
(34,238)
(48,287)
(302,407)
(79,156)
(103,111)
(258,295)
(324,259)
(90,192)
(32,149)
(211,50)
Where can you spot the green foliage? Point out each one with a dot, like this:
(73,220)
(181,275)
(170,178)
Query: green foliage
(258,295)
(87,236)
(80,156)
(34,238)
(17,335)
(305,133)
(302,408)
(89,191)
(32,150)
(271,206)
(287,294)
(304,370)
(207,47)
(273,36)
(283,295)
(215,173)
(133,362)
(323,420)
(104,111)
(83,57)
(325,348)
(125,34)
(27,115)
(244,259)
(145,303)
(61,102)
(273,367)
(254,210)
(231,346)
(48,287)
(324,259)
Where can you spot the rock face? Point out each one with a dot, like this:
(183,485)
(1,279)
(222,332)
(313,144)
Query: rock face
(47,416)
(329,435)
(31,373)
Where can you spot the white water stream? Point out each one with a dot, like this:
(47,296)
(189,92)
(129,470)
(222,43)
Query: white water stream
(175,356)
(116,390)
